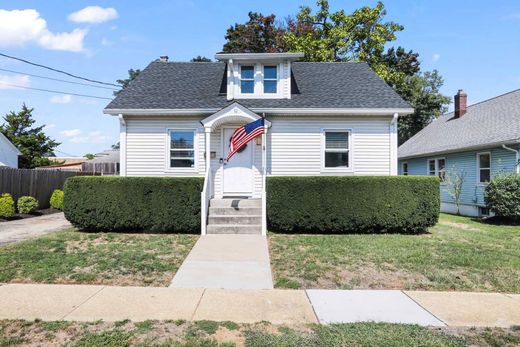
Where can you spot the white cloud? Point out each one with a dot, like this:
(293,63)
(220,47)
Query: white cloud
(72,41)
(106,42)
(93,15)
(21,27)
(436,57)
(77,136)
(10,81)
(71,132)
(61,99)
(50,126)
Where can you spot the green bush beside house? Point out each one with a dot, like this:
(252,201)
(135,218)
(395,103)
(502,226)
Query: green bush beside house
(352,204)
(57,199)
(160,204)
(7,208)
(502,196)
(27,204)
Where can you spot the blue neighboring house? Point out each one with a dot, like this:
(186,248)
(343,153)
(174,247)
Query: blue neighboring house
(476,143)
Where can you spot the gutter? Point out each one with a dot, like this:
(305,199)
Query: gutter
(517,163)
(462,149)
(269,111)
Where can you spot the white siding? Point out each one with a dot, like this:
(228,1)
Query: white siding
(8,155)
(147,146)
(294,147)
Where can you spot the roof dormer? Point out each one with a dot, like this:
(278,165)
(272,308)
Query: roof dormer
(258,75)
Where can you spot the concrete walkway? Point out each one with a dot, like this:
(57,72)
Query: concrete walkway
(228,262)
(90,303)
(24,229)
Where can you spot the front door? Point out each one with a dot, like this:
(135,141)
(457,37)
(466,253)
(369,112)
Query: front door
(238,171)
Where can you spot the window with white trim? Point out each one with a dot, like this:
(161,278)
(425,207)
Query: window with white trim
(405,168)
(484,167)
(182,148)
(337,149)
(247,79)
(270,79)
(437,167)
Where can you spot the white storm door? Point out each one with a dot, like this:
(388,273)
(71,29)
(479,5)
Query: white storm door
(238,171)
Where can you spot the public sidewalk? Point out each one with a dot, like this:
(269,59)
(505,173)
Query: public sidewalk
(27,228)
(90,303)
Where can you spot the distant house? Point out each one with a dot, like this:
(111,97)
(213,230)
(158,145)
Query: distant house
(64,163)
(8,152)
(104,163)
(475,143)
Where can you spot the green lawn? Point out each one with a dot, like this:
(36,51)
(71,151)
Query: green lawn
(458,254)
(227,334)
(97,258)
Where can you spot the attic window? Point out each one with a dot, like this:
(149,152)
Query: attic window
(247,79)
(270,79)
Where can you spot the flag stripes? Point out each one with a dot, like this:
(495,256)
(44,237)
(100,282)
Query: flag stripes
(244,134)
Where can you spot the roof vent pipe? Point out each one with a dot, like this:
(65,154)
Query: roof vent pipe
(163,58)
(461,100)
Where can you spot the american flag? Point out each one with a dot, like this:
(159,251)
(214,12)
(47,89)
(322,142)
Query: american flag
(244,134)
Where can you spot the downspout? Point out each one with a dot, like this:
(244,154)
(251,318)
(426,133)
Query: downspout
(517,163)
(393,145)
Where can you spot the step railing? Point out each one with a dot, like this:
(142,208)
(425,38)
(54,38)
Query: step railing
(205,197)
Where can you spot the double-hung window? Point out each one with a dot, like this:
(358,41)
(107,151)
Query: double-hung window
(247,79)
(182,148)
(484,167)
(337,149)
(405,168)
(437,167)
(270,79)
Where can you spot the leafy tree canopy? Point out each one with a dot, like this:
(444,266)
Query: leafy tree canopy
(200,59)
(132,74)
(89,156)
(30,141)
(259,34)
(359,36)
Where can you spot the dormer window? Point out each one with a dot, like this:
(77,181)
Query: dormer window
(258,75)
(247,79)
(270,79)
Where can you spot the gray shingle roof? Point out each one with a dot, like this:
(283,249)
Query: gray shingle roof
(492,122)
(175,85)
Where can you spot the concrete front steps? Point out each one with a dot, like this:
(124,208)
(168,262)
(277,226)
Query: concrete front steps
(235,216)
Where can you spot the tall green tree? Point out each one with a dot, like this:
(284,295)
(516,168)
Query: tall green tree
(260,34)
(30,141)
(200,59)
(132,74)
(359,36)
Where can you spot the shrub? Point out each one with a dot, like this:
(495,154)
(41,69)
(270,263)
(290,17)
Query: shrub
(57,199)
(27,204)
(502,196)
(6,206)
(354,204)
(164,204)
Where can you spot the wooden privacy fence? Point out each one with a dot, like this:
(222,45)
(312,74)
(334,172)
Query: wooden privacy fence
(36,183)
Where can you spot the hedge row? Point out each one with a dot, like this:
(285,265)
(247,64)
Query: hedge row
(163,204)
(352,204)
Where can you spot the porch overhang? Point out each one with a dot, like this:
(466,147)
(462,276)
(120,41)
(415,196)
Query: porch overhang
(234,113)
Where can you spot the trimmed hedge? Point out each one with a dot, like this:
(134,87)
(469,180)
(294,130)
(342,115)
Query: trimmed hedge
(352,204)
(7,209)
(56,201)
(502,196)
(27,204)
(160,204)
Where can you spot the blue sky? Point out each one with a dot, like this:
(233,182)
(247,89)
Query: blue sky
(475,46)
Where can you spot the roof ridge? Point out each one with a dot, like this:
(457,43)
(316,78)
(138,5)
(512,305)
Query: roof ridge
(483,101)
